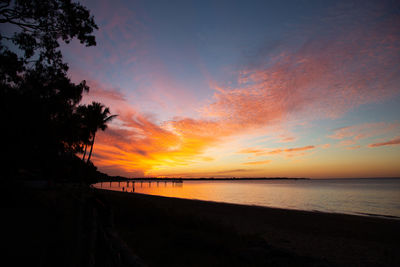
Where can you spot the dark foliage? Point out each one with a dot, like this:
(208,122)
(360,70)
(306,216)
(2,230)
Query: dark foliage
(94,117)
(42,24)
(42,127)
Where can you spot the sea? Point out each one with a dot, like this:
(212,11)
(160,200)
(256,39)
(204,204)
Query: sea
(378,197)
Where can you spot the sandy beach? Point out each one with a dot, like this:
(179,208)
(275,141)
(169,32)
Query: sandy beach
(332,239)
(70,225)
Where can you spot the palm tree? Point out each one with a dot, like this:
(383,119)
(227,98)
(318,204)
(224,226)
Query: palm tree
(96,117)
(83,113)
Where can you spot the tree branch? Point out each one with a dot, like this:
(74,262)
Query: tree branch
(6,5)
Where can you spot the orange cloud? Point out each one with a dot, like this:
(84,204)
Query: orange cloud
(299,149)
(322,77)
(257,162)
(216,173)
(133,142)
(392,142)
(276,151)
(353,147)
(289,152)
(251,151)
(287,139)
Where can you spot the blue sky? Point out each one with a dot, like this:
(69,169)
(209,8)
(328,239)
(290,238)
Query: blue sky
(196,82)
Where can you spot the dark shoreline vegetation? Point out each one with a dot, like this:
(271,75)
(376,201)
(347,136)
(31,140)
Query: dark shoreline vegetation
(49,133)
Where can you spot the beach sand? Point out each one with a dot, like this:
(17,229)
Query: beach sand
(329,239)
(58,227)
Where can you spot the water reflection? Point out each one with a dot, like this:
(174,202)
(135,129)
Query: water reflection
(352,196)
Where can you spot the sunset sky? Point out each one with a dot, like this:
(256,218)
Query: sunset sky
(245,88)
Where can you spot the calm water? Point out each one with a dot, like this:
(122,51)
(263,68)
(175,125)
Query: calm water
(375,197)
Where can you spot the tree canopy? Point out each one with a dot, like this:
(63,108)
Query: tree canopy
(94,116)
(39,103)
(41,24)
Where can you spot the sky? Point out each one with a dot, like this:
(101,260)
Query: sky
(245,88)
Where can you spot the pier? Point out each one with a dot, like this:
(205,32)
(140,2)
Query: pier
(130,185)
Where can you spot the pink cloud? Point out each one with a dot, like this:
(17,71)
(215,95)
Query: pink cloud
(121,40)
(101,91)
(287,139)
(326,146)
(325,77)
(348,142)
(157,89)
(351,134)
(392,142)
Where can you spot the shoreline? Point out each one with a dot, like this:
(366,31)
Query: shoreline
(341,239)
(178,179)
(362,214)
(359,214)
(124,179)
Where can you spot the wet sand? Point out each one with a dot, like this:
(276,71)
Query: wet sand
(329,239)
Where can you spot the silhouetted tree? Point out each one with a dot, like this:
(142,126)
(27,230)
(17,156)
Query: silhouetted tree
(83,113)
(97,116)
(43,126)
(42,23)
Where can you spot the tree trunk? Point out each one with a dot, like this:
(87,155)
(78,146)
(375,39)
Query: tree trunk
(91,148)
(84,154)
